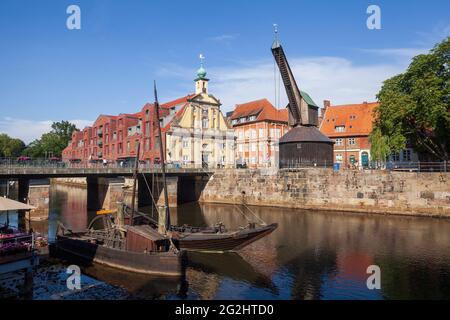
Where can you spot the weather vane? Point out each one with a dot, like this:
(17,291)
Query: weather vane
(202,58)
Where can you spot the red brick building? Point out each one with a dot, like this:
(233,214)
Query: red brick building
(115,138)
(349,126)
(258,126)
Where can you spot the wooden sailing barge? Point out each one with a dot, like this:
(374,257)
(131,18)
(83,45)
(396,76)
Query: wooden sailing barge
(126,246)
(132,248)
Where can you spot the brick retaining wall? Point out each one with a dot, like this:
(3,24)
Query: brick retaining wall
(383,192)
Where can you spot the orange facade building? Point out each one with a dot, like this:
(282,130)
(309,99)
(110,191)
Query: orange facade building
(258,126)
(349,126)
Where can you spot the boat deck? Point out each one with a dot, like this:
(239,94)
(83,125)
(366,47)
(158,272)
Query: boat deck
(146,231)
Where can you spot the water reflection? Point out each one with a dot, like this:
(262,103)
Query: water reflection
(312,255)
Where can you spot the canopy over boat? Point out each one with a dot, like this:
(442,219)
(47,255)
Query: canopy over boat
(12,205)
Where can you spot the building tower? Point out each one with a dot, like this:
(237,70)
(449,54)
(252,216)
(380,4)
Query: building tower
(201,82)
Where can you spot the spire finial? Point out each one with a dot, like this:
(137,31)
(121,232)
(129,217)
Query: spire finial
(201,73)
(275,43)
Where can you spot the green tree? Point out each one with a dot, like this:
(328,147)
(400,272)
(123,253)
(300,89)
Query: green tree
(10,147)
(64,130)
(415,106)
(53,142)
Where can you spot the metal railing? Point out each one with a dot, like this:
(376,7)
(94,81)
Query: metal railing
(443,166)
(9,163)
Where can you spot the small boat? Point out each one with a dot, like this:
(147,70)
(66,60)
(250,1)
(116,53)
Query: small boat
(208,239)
(217,238)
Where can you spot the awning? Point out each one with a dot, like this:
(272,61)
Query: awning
(12,205)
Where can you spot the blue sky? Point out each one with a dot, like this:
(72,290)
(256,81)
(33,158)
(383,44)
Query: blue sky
(49,73)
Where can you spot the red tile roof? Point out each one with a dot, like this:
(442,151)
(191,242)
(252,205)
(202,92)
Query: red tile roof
(176,102)
(357,119)
(262,108)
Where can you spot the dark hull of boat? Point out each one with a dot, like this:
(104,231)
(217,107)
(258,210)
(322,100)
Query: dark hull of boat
(157,263)
(223,242)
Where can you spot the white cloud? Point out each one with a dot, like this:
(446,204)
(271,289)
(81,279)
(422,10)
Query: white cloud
(440,32)
(29,130)
(402,54)
(324,78)
(223,37)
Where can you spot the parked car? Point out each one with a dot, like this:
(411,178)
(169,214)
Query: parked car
(23,159)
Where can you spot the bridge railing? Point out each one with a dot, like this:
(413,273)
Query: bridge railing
(10,163)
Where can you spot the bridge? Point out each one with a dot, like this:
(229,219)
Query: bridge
(184,183)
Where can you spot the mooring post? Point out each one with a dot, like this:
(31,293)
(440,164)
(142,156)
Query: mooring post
(23,191)
(28,284)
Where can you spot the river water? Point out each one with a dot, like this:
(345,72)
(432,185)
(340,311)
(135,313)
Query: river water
(312,255)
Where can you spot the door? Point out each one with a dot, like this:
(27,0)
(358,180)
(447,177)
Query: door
(365,159)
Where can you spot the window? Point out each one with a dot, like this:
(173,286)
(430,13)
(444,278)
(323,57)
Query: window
(128,146)
(253,146)
(253,134)
(338,142)
(253,160)
(352,159)
(277,133)
(395,156)
(406,155)
(351,141)
(339,128)
(241,134)
(339,158)
(205,123)
(252,118)
(241,147)
(147,144)
(234,122)
(185,143)
(261,133)
(147,114)
(185,158)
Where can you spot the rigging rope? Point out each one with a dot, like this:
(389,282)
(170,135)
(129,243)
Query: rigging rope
(150,191)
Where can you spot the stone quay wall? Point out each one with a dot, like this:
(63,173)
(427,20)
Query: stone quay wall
(384,192)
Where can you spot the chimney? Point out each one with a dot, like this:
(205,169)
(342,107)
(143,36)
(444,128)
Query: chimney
(326,104)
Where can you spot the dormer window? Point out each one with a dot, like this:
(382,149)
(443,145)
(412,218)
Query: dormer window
(252,118)
(339,128)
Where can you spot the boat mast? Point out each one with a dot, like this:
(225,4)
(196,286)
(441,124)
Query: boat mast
(163,164)
(135,175)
